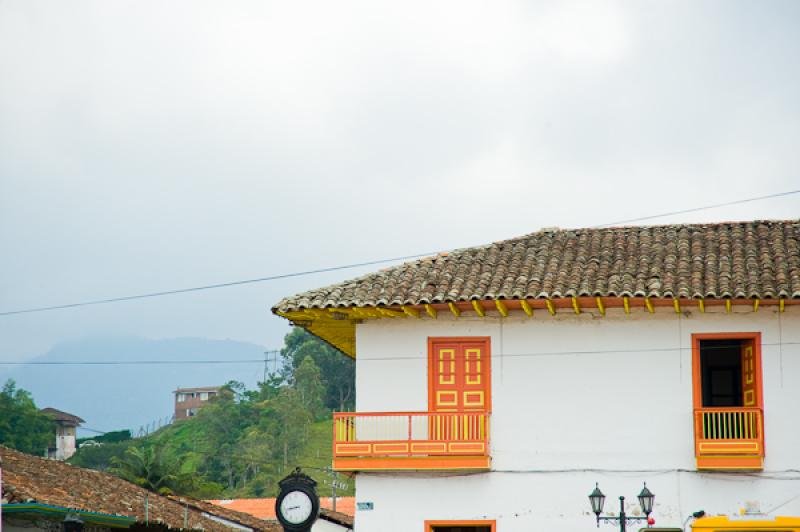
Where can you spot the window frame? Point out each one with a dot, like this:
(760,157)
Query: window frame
(697,378)
(491,523)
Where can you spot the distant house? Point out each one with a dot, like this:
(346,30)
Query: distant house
(329,521)
(45,495)
(189,400)
(66,424)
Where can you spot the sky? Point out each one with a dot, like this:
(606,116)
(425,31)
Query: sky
(148,145)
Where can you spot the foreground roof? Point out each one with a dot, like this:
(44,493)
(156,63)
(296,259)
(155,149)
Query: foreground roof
(30,479)
(732,260)
(264,508)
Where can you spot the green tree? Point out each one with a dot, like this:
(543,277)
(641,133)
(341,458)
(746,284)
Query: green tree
(309,386)
(100,456)
(223,422)
(287,419)
(337,370)
(22,425)
(150,467)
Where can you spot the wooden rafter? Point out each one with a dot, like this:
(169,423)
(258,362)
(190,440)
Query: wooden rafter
(410,311)
(600,306)
(454,309)
(501,307)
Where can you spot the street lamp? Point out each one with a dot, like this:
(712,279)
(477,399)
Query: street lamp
(646,498)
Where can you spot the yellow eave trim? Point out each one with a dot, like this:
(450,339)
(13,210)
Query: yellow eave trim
(337,326)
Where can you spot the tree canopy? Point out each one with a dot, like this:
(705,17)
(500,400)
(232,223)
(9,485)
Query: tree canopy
(22,425)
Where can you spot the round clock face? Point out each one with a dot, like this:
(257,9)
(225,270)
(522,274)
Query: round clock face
(296,507)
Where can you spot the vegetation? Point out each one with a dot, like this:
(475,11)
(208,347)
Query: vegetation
(108,437)
(22,425)
(243,441)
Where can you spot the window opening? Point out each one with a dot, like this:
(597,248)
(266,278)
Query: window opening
(464,528)
(721,373)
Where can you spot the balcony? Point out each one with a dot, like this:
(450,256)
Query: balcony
(390,441)
(729,438)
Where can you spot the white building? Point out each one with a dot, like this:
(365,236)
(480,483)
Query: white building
(66,427)
(496,385)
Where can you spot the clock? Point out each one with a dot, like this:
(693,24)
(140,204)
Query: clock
(297,505)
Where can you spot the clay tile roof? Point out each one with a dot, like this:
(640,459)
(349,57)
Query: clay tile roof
(336,517)
(65,417)
(757,259)
(29,478)
(264,508)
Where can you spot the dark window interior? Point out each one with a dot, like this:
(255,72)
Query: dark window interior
(721,372)
(473,528)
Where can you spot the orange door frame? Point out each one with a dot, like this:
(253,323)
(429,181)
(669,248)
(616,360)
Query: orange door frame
(492,524)
(697,383)
(487,353)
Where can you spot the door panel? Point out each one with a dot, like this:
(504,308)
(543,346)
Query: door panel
(460,375)
(750,393)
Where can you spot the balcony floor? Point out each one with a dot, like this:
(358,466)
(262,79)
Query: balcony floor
(412,463)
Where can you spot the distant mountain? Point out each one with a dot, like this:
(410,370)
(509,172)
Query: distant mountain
(111,397)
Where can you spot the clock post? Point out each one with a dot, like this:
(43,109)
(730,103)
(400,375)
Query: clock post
(297,505)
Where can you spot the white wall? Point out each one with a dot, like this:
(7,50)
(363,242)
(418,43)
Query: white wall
(572,393)
(321,525)
(65,442)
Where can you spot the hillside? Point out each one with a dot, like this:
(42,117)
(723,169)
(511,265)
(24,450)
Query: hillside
(112,397)
(244,440)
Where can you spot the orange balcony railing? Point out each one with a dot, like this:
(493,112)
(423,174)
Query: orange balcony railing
(410,440)
(729,438)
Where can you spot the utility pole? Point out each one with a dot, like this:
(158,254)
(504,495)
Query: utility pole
(270,356)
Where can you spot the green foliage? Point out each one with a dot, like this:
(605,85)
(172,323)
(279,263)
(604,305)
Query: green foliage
(337,371)
(108,437)
(22,425)
(309,387)
(243,441)
(149,467)
(99,456)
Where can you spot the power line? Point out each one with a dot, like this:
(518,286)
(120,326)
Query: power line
(376,359)
(93,430)
(212,286)
(697,209)
(350,266)
(126,362)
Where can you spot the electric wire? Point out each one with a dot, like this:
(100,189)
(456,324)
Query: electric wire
(350,266)
(376,359)
(212,286)
(697,209)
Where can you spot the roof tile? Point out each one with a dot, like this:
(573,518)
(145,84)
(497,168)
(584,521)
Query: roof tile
(758,259)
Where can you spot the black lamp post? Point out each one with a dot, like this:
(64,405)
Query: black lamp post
(646,498)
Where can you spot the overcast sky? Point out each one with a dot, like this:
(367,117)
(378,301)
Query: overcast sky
(150,145)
